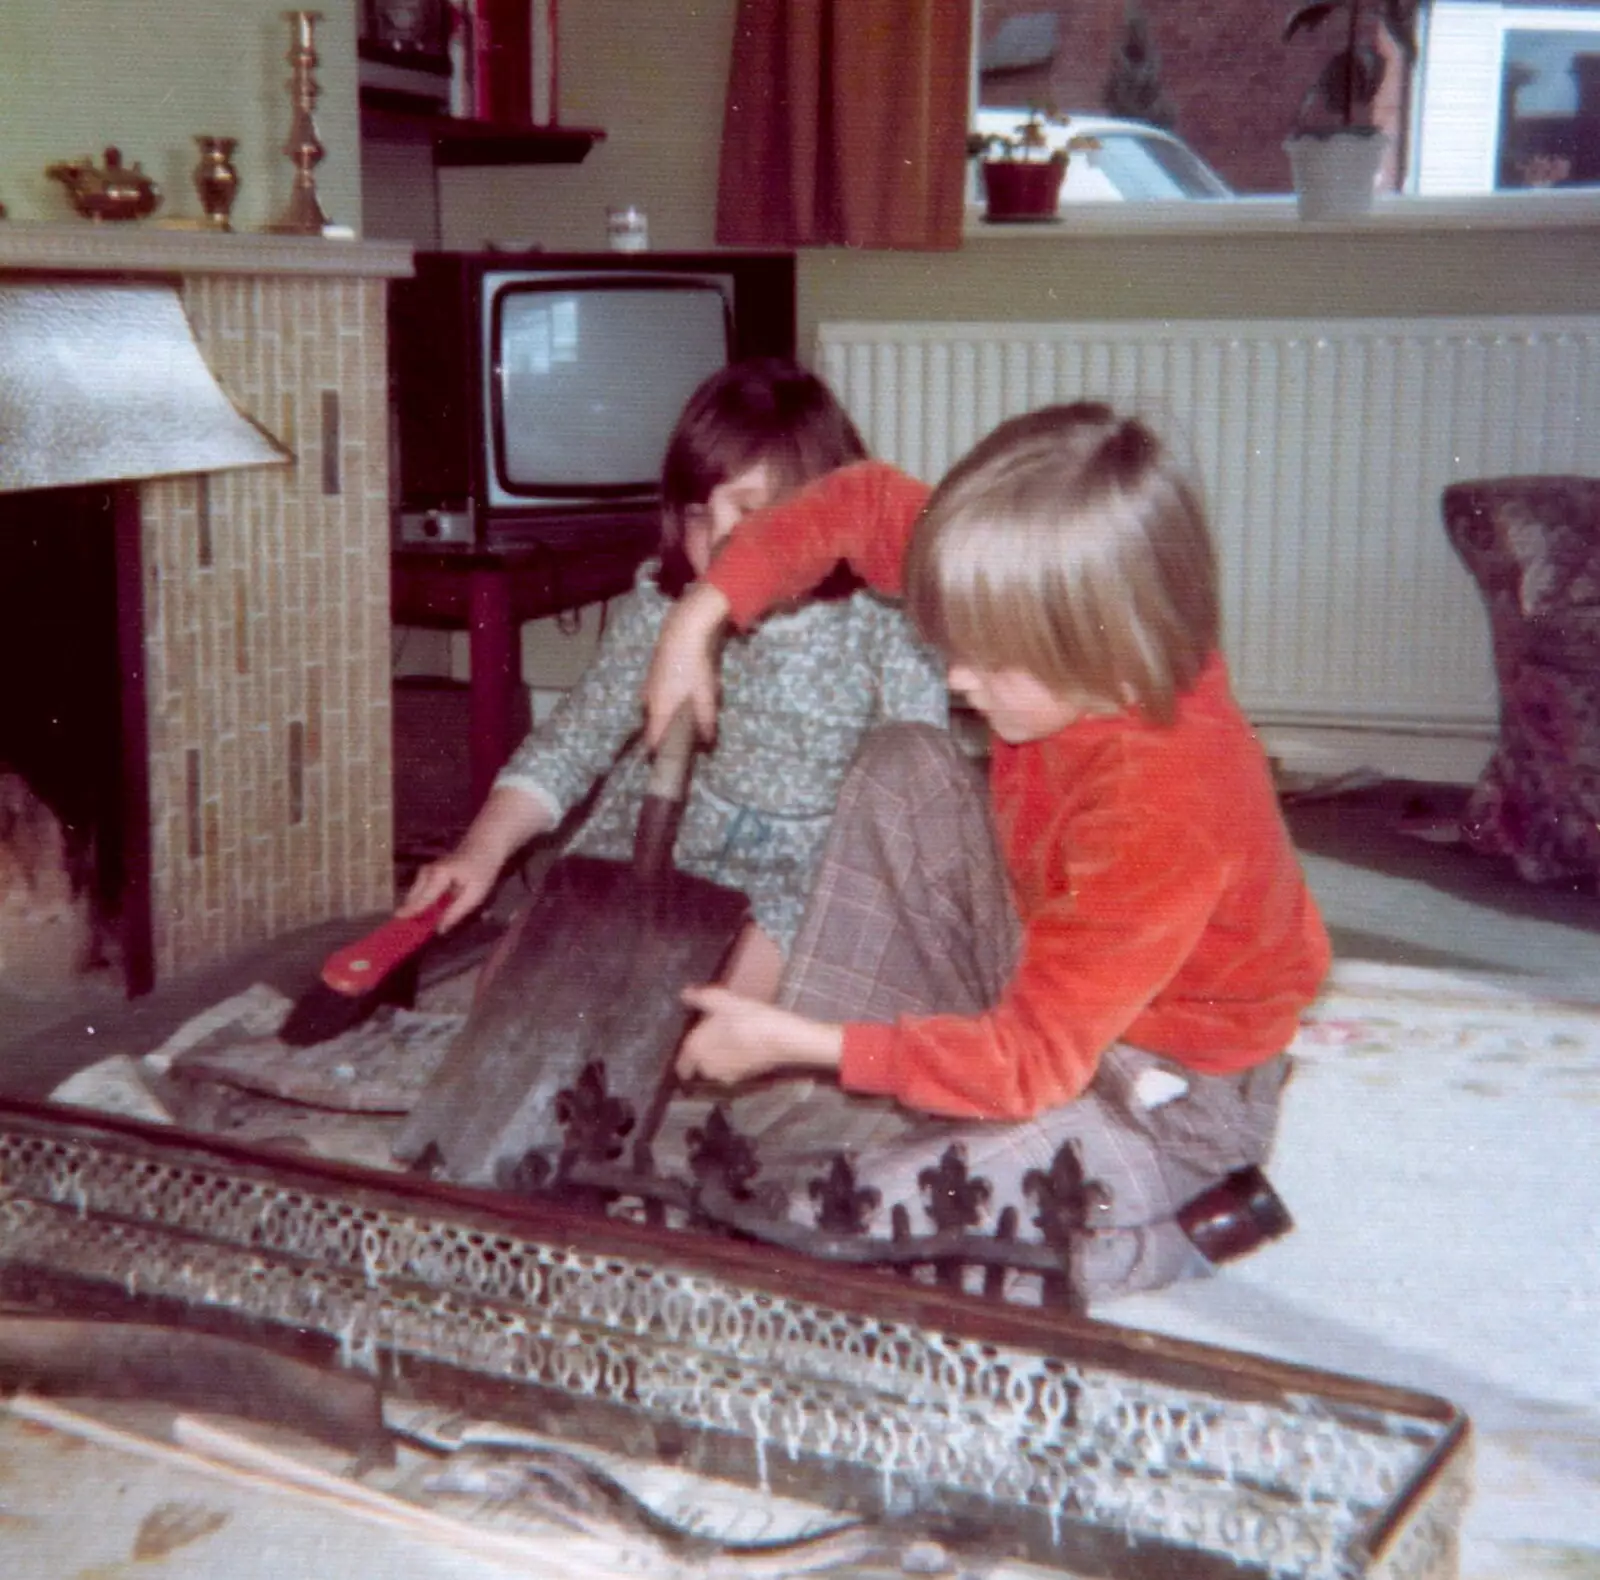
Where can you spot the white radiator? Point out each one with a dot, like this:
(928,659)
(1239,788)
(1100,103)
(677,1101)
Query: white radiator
(1322,448)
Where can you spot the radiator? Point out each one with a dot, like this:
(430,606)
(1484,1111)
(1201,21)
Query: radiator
(1322,449)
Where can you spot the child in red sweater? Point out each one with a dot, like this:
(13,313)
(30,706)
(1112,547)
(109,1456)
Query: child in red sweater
(1108,946)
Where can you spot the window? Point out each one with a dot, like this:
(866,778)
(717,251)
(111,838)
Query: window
(1509,97)
(1505,94)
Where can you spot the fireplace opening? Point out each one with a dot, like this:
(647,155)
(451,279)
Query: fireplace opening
(73,775)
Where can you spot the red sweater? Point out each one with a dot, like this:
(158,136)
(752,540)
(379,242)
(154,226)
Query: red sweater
(1161,900)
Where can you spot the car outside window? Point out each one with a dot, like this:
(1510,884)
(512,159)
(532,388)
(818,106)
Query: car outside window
(1134,163)
(1150,169)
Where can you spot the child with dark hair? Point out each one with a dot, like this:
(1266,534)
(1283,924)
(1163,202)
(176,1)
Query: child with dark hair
(1103,944)
(799,694)
(765,414)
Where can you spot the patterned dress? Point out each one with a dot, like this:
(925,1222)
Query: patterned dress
(798,693)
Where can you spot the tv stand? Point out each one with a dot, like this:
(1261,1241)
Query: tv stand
(489,592)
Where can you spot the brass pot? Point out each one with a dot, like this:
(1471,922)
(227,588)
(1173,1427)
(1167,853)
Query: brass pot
(111,191)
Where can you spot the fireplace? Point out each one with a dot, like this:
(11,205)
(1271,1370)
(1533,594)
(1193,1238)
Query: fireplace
(249,764)
(74,796)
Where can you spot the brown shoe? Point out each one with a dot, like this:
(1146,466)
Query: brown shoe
(1235,1216)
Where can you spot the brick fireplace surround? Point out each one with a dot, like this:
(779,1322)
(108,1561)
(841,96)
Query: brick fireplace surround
(266,591)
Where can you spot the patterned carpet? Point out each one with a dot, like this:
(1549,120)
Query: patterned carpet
(1437,1151)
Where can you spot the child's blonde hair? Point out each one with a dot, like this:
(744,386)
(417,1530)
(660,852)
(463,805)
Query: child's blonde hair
(1069,543)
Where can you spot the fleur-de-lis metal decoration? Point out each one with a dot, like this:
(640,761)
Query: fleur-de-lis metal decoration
(724,1194)
(595,1122)
(1067,1200)
(842,1207)
(955,1198)
(717,1152)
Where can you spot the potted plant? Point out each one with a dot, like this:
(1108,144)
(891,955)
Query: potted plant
(1335,150)
(1023,169)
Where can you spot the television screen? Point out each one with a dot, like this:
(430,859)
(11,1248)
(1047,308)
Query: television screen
(587,377)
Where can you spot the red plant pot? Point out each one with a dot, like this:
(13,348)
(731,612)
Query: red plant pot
(1016,189)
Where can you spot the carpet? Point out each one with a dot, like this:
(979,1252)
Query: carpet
(1437,1149)
(1401,827)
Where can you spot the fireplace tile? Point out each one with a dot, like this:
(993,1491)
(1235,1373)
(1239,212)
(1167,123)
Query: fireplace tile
(289,627)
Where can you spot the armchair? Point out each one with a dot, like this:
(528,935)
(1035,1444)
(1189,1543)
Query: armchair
(1533,546)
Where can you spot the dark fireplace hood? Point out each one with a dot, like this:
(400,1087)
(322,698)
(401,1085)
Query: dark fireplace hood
(101,381)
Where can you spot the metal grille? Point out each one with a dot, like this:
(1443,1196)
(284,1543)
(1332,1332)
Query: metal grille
(1276,1480)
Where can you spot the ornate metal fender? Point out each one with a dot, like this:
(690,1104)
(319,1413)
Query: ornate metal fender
(1082,1446)
(723,1194)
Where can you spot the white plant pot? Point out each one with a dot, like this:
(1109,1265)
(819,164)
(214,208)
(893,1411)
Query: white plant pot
(1336,176)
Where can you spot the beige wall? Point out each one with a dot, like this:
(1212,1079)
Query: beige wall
(652,76)
(1285,274)
(146,77)
(77,77)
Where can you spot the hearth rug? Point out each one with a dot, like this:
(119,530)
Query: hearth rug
(225,1073)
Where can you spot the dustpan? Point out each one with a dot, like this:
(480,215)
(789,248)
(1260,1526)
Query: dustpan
(574,1029)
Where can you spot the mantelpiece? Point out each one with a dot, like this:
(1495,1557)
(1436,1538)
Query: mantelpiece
(158,249)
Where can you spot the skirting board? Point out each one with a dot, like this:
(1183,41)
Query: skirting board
(1396,754)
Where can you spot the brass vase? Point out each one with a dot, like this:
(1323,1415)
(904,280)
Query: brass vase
(216,180)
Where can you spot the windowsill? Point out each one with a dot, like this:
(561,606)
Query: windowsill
(1278,216)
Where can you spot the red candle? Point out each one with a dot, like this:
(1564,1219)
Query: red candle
(515,44)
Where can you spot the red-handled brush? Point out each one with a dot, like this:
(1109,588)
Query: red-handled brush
(350,986)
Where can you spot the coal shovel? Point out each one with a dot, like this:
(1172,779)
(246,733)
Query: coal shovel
(567,1050)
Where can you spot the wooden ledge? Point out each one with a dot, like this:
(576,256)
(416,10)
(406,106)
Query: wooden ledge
(151,247)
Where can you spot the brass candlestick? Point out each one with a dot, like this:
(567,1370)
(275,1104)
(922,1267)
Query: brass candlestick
(304,216)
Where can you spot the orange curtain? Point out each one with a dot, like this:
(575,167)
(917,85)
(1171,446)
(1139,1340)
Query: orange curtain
(845,124)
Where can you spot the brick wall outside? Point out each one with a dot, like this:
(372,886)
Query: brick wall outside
(267,631)
(1235,84)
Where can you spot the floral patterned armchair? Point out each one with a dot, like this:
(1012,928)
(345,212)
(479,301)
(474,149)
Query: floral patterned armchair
(1533,545)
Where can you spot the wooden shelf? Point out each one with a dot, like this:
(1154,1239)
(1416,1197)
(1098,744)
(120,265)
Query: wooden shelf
(457,142)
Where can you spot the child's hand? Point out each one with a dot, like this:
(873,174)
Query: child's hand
(684,666)
(471,879)
(509,818)
(744,1037)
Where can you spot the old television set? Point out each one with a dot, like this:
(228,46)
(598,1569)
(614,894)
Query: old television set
(533,394)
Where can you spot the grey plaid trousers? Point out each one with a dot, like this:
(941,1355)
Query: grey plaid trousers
(911,914)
